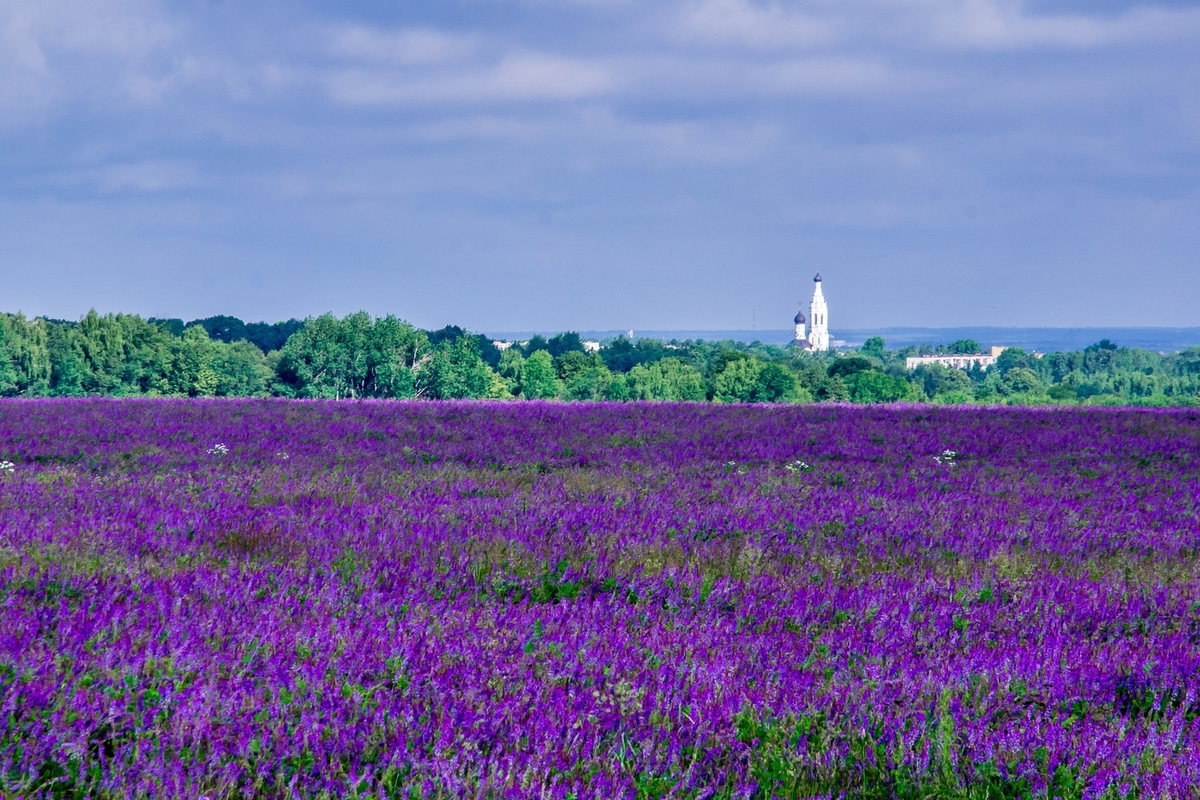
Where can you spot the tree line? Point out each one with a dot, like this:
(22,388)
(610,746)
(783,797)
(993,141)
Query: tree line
(361,356)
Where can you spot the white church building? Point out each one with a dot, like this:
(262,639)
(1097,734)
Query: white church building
(817,337)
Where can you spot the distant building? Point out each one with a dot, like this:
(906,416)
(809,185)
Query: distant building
(588,346)
(956,360)
(817,338)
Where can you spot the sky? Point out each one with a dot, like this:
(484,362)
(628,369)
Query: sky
(603,164)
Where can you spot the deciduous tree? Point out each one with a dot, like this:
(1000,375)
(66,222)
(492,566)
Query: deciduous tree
(455,372)
(539,380)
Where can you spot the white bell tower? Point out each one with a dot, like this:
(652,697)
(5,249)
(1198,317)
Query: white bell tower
(818,318)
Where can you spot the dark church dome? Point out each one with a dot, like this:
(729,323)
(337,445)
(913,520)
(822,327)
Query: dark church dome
(799,317)
(817,279)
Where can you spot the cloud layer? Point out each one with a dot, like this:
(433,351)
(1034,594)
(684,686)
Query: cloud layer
(603,164)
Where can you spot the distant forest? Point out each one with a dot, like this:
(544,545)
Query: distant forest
(360,356)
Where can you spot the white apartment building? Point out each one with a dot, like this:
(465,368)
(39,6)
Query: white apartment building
(956,360)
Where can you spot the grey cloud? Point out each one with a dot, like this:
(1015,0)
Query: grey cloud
(599,128)
(53,50)
(407,47)
(475,127)
(122,178)
(711,142)
(520,76)
(751,24)
(908,24)
(1005,24)
(147,176)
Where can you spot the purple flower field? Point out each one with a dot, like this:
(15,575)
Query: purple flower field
(240,599)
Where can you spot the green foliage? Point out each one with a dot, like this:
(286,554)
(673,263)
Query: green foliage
(484,345)
(354,357)
(584,376)
(193,374)
(173,325)
(738,381)
(776,385)
(937,381)
(622,354)
(270,337)
(870,386)
(1102,373)
(241,370)
(874,347)
(845,367)
(1188,361)
(119,354)
(360,357)
(311,363)
(535,343)
(222,328)
(1062,391)
(456,371)
(25,362)
(539,381)
(66,366)
(953,398)
(267,337)
(1021,380)
(834,390)
(748,380)
(500,389)
(723,356)
(1013,358)
(511,369)
(666,379)
(563,343)
(620,389)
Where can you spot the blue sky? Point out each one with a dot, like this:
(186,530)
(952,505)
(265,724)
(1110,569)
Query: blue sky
(600,164)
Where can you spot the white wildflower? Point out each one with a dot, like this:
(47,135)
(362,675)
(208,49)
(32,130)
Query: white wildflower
(8,466)
(282,455)
(217,450)
(947,457)
(797,466)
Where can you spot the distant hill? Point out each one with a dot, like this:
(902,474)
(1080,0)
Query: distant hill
(1043,340)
